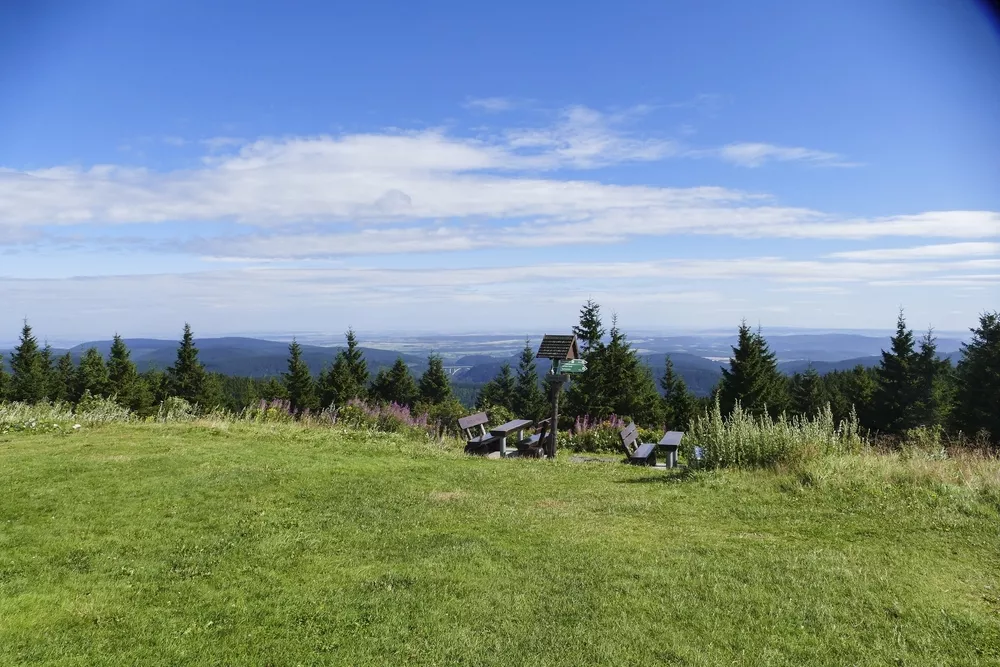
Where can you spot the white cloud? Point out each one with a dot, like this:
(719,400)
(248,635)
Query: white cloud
(939,251)
(756,154)
(490,103)
(414,191)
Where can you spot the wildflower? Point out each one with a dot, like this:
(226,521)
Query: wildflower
(76,427)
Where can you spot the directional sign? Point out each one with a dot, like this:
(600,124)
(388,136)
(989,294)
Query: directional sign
(573,366)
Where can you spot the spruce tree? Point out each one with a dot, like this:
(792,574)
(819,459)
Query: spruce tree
(53,390)
(63,378)
(29,377)
(934,383)
(752,378)
(897,396)
(337,384)
(587,395)
(91,375)
(273,389)
(347,378)
(590,331)
(357,367)
(187,378)
(627,384)
(125,383)
(678,403)
(861,387)
(977,398)
(529,402)
(298,380)
(434,384)
(808,396)
(395,385)
(498,392)
(4,381)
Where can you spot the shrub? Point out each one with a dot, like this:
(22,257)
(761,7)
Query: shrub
(99,410)
(442,418)
(175,408)
(588,435)
(744,440)
(498,414)
(276,411)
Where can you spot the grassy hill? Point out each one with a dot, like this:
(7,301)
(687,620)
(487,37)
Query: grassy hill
(230,543)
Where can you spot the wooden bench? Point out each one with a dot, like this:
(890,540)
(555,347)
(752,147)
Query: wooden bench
(477,439)
(534,445)
(638,453)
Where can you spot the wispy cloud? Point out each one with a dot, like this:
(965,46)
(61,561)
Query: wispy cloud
(757,154)
(490,103)
(402,192)
(939,251)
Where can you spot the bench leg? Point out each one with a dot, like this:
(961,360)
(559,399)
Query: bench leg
(503,446)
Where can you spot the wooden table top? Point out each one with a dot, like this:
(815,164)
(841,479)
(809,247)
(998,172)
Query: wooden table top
(513,425)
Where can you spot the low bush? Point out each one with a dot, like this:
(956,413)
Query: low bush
(743,440)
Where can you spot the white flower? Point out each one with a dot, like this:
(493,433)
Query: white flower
(76,426)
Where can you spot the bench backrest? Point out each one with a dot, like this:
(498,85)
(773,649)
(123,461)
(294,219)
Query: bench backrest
(542,428)
(469,424)
(629,435)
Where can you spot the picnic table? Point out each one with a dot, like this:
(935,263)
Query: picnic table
(670,442)
(504,430)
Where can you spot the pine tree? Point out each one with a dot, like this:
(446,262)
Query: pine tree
(54,389)
(273,389)
(934,383)
(298,380)
(626,383)
(678,403)
(752,378)
(91,375)
(529,402)
(347,378)
(29,377)
(187,378)
(590,331)
(978,381)
(896,398)
(63,378)
(587,394)
(862,385)
(124,379)
(4,381)
(498,392)
(395,385)
(357,367)
(434,384)
(808,395)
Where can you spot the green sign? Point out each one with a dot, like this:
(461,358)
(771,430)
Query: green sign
(573,366)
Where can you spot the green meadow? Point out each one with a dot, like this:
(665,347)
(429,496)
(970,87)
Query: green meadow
(277,544)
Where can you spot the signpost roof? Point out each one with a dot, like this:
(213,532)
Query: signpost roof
(559,348)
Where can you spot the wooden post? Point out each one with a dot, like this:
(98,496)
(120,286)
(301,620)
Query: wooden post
(556,386)
(556,381)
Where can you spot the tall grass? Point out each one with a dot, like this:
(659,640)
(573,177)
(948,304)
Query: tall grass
(744,440)
(49,417)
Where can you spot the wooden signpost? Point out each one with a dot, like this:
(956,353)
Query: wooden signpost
(565,357)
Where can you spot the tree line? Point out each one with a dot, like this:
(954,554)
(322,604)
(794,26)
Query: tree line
(36,376)
(910,387)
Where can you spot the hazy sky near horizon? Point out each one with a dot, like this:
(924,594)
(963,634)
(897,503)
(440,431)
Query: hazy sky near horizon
(454,166)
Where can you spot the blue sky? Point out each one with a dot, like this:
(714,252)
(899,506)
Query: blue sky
(305,166)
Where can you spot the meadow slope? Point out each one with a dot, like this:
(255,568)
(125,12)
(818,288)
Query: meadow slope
(276,544)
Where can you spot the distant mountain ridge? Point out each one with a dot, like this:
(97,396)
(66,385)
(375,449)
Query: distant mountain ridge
(248,357)
(258,358)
